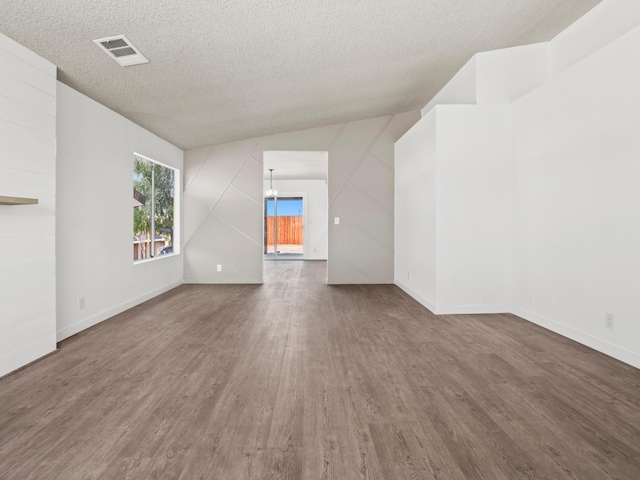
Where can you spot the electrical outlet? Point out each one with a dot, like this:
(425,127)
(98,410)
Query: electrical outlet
(219,267)
(532,298)
(409,275)
(81,303)
(608,320)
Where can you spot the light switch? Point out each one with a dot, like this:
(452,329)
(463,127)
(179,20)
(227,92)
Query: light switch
(336,220)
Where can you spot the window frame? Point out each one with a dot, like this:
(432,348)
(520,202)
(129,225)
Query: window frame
(175,238)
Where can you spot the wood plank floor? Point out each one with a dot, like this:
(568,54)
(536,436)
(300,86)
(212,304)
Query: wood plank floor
(298,380)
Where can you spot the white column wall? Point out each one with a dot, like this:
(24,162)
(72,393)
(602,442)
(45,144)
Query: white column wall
(453,216)
(473,227)
(27,233)
(415,215)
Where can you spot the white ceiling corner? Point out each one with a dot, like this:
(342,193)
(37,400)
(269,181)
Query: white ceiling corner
(220,71)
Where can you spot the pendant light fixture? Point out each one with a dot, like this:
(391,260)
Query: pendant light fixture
(271,192)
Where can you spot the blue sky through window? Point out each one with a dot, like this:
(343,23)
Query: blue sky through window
(287,207)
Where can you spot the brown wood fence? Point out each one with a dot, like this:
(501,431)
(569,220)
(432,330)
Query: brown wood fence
(289,231)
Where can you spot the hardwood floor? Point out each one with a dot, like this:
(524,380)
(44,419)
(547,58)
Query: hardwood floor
(298,380)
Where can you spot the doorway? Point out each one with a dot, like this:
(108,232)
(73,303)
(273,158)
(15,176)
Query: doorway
(296,205)
(284,228)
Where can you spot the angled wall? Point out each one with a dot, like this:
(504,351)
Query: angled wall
(572,147)
(223,202)
(27,233)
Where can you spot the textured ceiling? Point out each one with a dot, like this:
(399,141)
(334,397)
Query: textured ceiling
(222,70)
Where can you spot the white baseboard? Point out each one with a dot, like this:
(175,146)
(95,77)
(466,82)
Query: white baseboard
(26,355)
(110,312)
(601,346)
(471,309)
(416,296)
(597,344)
(242,281)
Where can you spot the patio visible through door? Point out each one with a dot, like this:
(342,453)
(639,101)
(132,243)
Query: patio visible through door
(284,228)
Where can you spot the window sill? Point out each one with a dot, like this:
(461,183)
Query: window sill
(155,259)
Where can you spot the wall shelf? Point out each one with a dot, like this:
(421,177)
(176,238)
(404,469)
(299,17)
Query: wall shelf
(17,201)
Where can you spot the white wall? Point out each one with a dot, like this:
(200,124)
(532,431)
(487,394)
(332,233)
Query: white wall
(575,201)
(599,27)
(473,225)
(453,215)
(505,75)
(577,230)
(27,233)
(95,214)
(460,90)
(316,211)
(496,77)
(223,202)
(415,215)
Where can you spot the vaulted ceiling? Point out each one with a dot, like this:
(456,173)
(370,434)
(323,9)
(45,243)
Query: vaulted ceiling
(222,70)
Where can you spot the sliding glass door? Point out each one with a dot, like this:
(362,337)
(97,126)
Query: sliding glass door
(283,228)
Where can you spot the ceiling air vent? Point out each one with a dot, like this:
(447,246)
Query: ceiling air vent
(121,50)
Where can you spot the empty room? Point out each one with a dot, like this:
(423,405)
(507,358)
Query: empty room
(320,240)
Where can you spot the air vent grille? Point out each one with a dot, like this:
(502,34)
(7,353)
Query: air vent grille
(114,44)
(121,50)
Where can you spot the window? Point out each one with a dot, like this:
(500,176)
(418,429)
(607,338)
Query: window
(154,187)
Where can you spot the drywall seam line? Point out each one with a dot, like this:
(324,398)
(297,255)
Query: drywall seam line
(217,200)
(337,136)
(366,234)
(217,258)
(240,189)
(389,211)
(365,274)
(381,162)
(362,157)
(206,159)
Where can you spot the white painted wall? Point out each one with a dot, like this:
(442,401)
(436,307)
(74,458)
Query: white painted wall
(95,218)
(460,90)
(453,216)
(27,233)
(473,214)
(577,230)
(505,75)
(603,24)
(497,77)
(316,211)
(415,214)
(575,201)
(224,210)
